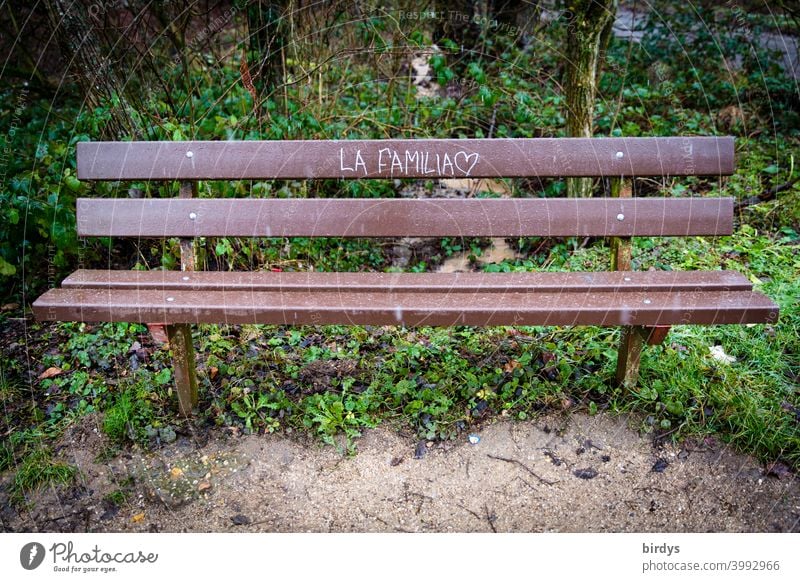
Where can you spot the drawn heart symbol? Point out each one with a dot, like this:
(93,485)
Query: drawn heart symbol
(467,157)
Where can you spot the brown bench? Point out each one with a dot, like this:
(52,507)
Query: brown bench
(646,303)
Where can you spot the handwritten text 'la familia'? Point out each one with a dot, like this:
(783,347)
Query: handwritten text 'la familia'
(404,163)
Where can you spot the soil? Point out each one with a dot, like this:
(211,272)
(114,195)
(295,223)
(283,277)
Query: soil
(571,473)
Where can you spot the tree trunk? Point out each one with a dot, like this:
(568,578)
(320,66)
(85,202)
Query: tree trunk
(267,28)
(588,31)
(94,70)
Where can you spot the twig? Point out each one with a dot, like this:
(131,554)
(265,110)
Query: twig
(490,517)
(768,195)
(526,483)
(421,497)
(467,509)
(664,491)
(384,522)
(524,466)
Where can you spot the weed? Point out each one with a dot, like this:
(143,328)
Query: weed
(120,496)
(39,469)
(126,419)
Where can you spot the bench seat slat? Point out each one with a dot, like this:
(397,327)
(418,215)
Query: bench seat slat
(418,158)
(540,282)
(401,217)
(406,308)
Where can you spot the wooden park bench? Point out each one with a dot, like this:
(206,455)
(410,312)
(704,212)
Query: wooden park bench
(645,303)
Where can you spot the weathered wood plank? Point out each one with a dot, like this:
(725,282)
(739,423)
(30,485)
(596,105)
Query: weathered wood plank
(400,217)
(411,308)
(404,158)
(540,282)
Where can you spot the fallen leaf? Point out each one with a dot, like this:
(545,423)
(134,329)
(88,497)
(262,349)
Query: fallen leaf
(793,409)
(548,357)
(212,372)
(159,332)
(176,473)
(203,486)
(587,473)
(50,373)
(138,517)
(553,458)
(660,466)
(511,366)
(779,470)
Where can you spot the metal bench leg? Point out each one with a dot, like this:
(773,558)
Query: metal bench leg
(183,362)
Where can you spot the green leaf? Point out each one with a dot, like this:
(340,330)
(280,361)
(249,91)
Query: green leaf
(6,268)
(163,377)
(675,408)
(72,183)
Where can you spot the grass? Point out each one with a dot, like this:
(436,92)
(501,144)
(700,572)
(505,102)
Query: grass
(122,494)
(125,420)
(38,469)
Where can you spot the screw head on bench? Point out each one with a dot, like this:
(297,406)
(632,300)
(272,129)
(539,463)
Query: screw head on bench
(626,278)
(620,155)
(647,301)
(192,215)
(170,299)
(620,216)
(185,277)
(189,154)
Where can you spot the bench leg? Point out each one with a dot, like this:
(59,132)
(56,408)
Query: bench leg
(630,350)
(180,341)
(656,334)
(634,338)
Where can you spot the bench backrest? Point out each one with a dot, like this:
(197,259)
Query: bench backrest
(423,158)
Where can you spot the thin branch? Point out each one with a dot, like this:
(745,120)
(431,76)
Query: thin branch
(524,466)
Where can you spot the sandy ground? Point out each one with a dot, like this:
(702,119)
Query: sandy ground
(573,473)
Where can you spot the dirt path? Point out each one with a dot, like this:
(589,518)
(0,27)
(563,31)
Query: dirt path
(574,473)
